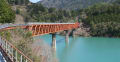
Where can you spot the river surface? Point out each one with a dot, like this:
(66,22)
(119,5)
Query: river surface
(86,49)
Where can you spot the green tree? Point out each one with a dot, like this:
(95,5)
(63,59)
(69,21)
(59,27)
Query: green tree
(51,10)
(18,2)
(6,13)
(43,14)
(117,2)
(104,19)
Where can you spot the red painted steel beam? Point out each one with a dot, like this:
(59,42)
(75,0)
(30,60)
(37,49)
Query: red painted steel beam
(46,28)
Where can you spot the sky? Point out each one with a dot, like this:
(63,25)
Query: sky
(34,1)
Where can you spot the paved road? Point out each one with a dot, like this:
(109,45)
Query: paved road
(2,59)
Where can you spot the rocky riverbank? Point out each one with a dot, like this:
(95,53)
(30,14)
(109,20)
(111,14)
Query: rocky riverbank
(82,31)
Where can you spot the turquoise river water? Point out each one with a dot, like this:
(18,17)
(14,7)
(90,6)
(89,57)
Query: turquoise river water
(86,49)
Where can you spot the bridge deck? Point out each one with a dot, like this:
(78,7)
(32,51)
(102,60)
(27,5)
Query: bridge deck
(50,23)
(34,23)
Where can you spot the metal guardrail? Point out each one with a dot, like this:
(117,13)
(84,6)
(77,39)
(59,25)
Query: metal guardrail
(11,25)
(12,52)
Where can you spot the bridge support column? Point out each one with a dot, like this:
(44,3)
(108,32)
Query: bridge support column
(67,37)
(73,33)
(54,41)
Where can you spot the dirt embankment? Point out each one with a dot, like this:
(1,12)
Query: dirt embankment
(19,19)
(21,13)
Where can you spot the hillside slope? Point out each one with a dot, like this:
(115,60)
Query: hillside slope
(71,4)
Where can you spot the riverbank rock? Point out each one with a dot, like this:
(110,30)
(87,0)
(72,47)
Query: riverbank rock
(82,31)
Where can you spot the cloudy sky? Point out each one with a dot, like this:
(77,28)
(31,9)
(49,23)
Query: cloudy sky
(34,1)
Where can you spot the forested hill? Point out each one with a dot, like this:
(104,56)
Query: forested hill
(72,4)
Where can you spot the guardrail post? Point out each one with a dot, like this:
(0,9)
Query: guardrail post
(21,59)
(8,50)
(16,56)
(12,54)
(26,60)
(6,46)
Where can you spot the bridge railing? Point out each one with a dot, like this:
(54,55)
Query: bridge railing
(12,52)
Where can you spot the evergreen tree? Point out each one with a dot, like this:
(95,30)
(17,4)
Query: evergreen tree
(6,13)
(104,19)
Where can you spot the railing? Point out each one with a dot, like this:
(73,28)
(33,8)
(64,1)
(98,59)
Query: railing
(12,52)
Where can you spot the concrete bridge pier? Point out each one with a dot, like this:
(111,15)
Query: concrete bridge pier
(67,37)
(73,33)
(54,41)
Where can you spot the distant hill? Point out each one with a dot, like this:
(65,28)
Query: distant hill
(72,4)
